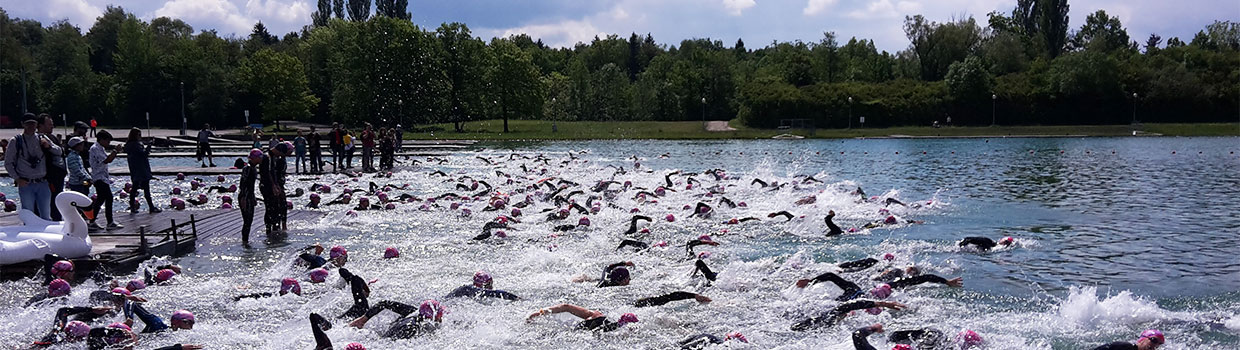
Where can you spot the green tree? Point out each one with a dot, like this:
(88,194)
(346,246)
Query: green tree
(970,85)
(516,82)
(1101,33)
(939,45)
(65,71)
(359,10)
(280,81)
(466,64)
(324,13)
(136,81)
(338,8)
(393,8)
(102,38)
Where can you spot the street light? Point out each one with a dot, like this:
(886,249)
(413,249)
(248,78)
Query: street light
(703,113)
(183,120)
(1134,108)
(993,99)
(554,117)
(850,112)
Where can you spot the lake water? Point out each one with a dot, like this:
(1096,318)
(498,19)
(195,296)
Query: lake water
(1115,235)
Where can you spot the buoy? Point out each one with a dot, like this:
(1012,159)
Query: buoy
(923,152)
(897,152)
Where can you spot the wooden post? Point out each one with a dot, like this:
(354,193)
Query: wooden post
(142,245)
(174,237)
(193,224)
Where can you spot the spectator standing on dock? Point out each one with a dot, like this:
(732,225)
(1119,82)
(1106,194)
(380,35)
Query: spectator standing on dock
(245,195)
(100,157)
(93,124)
(79,178)
(272,171)
(400,138)
(348,148)
(368,148)
(204,144)
(55,160)
(336,140)
(315,142)
(23,159)
(299,148)
(138,155)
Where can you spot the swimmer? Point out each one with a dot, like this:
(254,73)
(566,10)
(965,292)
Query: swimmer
(862,264)
(337,256)
(700,266)
(287,285)
(413,321)
(482,288)
(120,336)
(759,182)
(727,202)
(1149,340)
(893,274)
(181,319)
(486,230)
(701,341)
(670,297)
(361,292)
(784,213)
(930,338)
(702,210)
(57,290)
(837,314)
(633,243)
(860,336)
(806,200)
(633,223)
(54,267)
(318,326)
(834,230)
(163,273)
(593,320)
(985,244)
(613,275)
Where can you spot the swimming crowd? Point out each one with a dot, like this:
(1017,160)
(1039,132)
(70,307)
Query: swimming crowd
(867,283)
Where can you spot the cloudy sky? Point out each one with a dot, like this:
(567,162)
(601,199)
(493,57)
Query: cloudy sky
(565,22)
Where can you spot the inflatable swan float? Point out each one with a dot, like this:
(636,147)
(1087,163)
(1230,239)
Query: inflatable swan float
(69,238)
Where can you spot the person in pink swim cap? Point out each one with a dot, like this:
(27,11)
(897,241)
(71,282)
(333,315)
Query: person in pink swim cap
(592,320)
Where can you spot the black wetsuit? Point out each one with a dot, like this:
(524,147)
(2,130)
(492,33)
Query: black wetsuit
(313,261)
(830,318)
(785,214)
(97,339)
(859,338)
(633,223)
(409,325)
(851,290)
(664,299)
(470,291)
(925,338)
(982,243)
(706,272)
(1119,345)
(694,243)
(916,280)
(598,324)
(357,286)
(633,243)
(700,341)
(834,229)
(318,325)
(858,265)
(607,282)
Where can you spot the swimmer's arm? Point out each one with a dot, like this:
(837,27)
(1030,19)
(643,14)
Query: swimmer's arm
(578,311)
(859,337)
(916,280)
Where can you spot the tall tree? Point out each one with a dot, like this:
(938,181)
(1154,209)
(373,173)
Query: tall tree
(64,68)
(1151,44)
(1102,33)
(280,81)
(466,64)
(1052,24)
(102,39)
(320,17)
(393,8)
(338,8)
(359,10)
(939,45)
(516,82)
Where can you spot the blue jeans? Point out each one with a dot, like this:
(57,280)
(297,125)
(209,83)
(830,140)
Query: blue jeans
(37,197)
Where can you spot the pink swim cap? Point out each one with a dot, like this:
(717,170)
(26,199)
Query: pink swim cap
(737,336)
(644,230)
(118,325)
(176,191)
(968,338)
(58,287)
(122,291)
(890,220)
(705,238)
(902,347)
(62,267)
(660,244)
(889,257)
(627,319)
(232,188)
(226,199)
(454,206)
(77,329)
(516,212)
(254,154)
(742,204)
(202,197)
(226,206)
(1007,240)
(686,207)
(355,346)
(318,275)
(466,212)
(391,253)
(164,275)
(595,209)
(634,210)
(874,310)
(583,222)
(882,291)
(337,252)
(660,191)
(501,234)
(325,189)
(670,218)
(181,176)
(430,309)
(183,316)
(481,278)
(290,285)
(1154,334)
(219,178)
(135,285)
(314,197)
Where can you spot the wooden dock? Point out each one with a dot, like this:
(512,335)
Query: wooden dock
(170,233)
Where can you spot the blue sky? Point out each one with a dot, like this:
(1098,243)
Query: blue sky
(565,22)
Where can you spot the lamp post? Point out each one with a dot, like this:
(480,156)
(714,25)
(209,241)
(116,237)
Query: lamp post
(993,99)
(554,128)
(850,112)
(1134,108)
(703,113)
(183,120)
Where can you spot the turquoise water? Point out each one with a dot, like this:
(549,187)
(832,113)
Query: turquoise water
(1115,235)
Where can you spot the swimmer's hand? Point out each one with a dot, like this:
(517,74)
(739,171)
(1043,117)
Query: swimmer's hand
(956,282)
(876,328)
(702,299)
(803,283)
(101,309)
(191,347)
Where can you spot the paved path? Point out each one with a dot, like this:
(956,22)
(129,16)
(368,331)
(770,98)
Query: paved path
(719,125)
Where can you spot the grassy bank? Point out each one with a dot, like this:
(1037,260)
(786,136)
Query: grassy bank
(541,130)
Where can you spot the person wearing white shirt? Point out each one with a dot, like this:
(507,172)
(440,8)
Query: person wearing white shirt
(102,154)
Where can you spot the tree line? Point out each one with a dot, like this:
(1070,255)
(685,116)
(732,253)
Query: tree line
(351,65)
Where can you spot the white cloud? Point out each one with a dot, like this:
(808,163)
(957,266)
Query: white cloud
(224,14)
(886,9)
(286,12)
(735,7)
(77,12)
(618,13)
(815,7)
(561,34)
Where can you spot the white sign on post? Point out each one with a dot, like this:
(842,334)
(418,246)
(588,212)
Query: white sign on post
(862,120)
